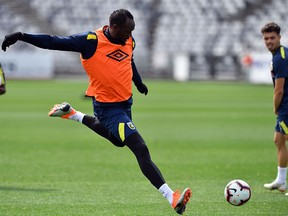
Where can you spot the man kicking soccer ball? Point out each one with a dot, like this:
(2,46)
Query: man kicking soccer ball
(106,56)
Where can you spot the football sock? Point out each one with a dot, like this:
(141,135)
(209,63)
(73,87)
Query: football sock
(78,116)
(166,192)
(281,176)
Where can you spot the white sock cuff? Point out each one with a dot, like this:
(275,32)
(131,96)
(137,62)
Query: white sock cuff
(78,116)
(163,188)
(282,168)
(166,192)
(281,175)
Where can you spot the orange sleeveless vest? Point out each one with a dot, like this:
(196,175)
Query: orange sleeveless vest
(109,70)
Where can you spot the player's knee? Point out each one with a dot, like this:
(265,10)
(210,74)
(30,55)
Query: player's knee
(279,142)
(137,146)
(116,142)
(143,151)
(276,140)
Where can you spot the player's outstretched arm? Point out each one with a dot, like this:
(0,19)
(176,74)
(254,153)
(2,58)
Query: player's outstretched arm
(11,39)
(75,43)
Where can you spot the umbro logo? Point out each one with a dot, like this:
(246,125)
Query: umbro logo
(118,55)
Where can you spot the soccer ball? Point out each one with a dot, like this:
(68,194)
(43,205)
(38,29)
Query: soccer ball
(237,192)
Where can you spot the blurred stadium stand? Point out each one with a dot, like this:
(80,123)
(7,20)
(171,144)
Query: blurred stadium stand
(214,34)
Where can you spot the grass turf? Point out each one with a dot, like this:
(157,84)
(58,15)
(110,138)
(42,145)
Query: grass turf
(200,134)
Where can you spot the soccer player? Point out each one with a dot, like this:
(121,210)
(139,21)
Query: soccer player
(279,72)
(107,57)
(2,81)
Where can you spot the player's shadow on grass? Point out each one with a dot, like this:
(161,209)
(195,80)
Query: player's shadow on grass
(2,188)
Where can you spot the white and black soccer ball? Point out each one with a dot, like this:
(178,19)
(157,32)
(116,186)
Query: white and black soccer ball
(237,192)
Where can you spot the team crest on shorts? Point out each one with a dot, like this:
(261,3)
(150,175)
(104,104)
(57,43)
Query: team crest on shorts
(131,126)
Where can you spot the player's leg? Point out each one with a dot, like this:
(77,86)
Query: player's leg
(118,122)
(282,153)
(282,150)
(66,111)
(123,132)
(134,141)
(137,145)
(282,156)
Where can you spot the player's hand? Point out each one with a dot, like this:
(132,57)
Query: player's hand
(142,88)
(11,39)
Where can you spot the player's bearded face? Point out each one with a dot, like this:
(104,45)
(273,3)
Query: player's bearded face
(272,40)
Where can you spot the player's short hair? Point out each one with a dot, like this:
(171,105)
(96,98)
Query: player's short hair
(119,17)
(271,27)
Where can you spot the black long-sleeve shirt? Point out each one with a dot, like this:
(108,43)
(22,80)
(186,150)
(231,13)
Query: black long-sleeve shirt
(75,43)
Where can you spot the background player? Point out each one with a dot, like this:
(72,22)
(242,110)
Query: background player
(2,81)
(279,72)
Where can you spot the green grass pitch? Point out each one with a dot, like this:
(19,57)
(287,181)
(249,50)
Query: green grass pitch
(200,134)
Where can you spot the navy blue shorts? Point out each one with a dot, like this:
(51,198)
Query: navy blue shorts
(281,124)
(116,117)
